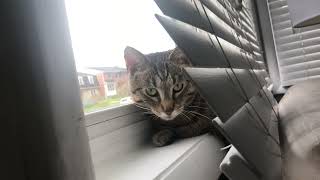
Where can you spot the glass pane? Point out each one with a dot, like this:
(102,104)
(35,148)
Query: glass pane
(100,30)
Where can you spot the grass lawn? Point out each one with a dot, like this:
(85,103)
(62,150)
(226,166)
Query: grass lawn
(107,103)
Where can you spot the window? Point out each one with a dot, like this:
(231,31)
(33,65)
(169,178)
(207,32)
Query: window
(91,80)
(94,92)
(297,49)
(232,45)
(111,86)
(100,31)
(80,79)
(62,116)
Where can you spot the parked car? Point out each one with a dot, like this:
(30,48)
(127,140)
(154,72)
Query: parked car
(126,100)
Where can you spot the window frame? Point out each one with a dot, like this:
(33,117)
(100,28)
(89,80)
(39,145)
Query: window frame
(91,80)
(108,114)
(81,81)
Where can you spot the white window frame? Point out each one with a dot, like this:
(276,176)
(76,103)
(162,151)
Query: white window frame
(91,80)
(93,92)
(80,79)
(111,86)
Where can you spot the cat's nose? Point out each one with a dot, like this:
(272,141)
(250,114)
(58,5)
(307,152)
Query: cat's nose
(169,112)
(167,108)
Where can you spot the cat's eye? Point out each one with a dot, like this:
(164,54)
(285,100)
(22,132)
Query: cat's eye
(178,87)
(152,92)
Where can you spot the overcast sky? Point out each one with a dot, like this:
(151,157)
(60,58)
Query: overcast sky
(101,29)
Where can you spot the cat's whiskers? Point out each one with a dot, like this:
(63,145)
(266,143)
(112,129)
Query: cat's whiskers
(196,113)
(181,108)
(201,102)
(197,107)
(194,121)
(190,120)
(155,118)
(142,107)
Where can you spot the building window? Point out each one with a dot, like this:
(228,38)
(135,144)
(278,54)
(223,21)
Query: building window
(91,80)
(80,79)
(94,92)
(111,87)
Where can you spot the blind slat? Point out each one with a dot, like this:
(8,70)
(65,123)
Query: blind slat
(247,15)
(218,10)
(300,59)
(282,25)
(248,29)
(192,39)
(298,44)
(299,52)
(206,47)
(244,125)
(302,74)
(238,85)
(197,15)
(227,100)
(298,36)
(247,20)
(283,32)
(258,56)
(280,18)
(188,12)
(301,66)
(227,15)
(261,106)
(279,11)
(277,4)
(299,80)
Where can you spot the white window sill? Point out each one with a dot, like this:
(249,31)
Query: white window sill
(193,158)
(121,150)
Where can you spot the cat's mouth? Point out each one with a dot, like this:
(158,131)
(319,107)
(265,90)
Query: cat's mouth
(166,116)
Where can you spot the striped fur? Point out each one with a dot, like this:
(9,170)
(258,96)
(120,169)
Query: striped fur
(159,85)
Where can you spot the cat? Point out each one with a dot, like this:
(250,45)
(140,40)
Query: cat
(159,85)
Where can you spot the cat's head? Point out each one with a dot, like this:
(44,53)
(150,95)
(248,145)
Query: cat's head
(157,81)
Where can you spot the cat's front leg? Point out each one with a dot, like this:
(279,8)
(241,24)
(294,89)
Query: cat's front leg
(193,129)
(163,137)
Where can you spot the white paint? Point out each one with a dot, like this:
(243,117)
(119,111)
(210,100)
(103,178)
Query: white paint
(110,89)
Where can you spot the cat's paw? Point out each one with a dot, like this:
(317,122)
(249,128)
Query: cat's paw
(163,137)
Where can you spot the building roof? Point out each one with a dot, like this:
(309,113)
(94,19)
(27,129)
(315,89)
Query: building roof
(88,71)
(110,69)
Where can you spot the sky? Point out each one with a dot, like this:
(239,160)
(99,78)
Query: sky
(101,29)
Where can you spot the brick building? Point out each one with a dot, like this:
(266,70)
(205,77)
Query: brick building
(116,80)
(92,86)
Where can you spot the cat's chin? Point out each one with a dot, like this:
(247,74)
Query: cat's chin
(169,118)
(166,117)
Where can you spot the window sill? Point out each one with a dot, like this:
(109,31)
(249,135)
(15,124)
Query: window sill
(121,149)
(110,114)
(193,158)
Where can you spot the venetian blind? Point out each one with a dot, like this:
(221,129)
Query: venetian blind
(229,71)
(298,49)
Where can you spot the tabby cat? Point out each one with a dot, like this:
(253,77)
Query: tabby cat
(159,85)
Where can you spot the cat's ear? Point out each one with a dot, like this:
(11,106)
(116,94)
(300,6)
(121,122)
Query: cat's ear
(133,57)
(178,57)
